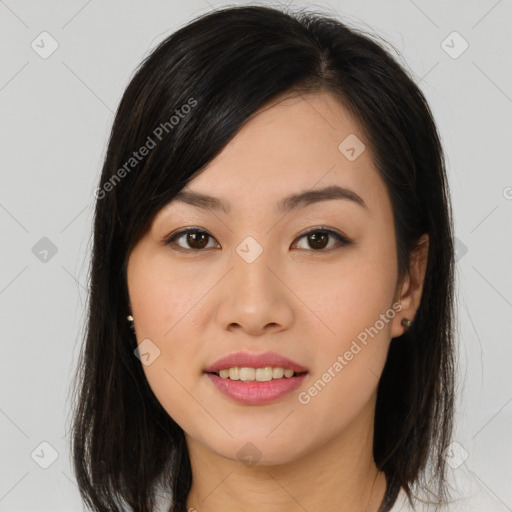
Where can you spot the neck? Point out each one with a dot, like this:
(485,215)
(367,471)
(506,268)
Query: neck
(338,476)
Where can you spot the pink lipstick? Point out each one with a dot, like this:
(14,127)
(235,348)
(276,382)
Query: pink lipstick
(256,379)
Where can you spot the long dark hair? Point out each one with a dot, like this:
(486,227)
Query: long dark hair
(186,101)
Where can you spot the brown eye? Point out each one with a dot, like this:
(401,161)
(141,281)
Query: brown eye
(193,239)
(318,239)
(197,239)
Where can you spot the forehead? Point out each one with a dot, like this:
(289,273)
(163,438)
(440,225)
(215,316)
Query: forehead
(295,143)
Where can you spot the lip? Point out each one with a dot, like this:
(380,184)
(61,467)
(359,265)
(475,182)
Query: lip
(254,392)
(250,360)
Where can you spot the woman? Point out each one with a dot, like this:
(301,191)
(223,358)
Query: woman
(271,308)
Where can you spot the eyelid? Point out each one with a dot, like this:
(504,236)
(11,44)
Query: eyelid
(169,239)
(343,240)
(327,229)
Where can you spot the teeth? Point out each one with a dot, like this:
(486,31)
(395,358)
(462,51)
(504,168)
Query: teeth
(277,373)
(264,374)
(247,374)
(256,374)
(234,373)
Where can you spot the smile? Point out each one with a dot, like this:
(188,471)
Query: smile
(255,392)
(265,374)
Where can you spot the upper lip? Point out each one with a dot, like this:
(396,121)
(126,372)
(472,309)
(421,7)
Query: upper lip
(251,360)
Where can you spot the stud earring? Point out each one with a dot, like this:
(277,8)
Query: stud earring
(406,323)
(130,319)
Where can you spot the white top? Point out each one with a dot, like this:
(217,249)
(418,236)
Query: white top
(475,503)
(481,503)
(469,494)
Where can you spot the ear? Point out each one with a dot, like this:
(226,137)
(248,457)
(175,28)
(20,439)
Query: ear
(409,291)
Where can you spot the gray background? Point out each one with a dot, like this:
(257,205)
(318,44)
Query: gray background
(56,115)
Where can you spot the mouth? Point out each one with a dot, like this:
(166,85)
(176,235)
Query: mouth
(264,374)
(253,391)
(253,379)
(248,362)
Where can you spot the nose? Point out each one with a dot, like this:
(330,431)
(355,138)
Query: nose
(255,298)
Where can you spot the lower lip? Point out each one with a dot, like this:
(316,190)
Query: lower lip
(254,392)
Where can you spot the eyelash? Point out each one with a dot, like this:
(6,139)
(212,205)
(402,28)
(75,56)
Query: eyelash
(343,240)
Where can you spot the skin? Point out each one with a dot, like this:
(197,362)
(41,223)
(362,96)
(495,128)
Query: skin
(294,299)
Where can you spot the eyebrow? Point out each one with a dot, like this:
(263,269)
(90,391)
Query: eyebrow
(285,205)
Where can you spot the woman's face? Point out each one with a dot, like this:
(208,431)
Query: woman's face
(250,281)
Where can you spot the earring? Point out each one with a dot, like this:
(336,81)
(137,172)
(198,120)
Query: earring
(406,323)
(130,319)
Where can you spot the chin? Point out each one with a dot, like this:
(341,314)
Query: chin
(258,450)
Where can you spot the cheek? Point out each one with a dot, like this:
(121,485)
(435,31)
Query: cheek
(349,295)
(163,312)
(162,303)
(161,297)
(164,308)
(353,301)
